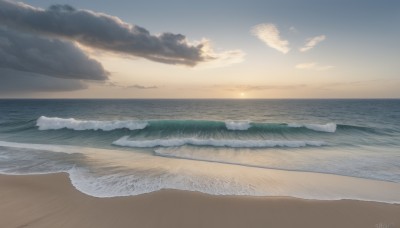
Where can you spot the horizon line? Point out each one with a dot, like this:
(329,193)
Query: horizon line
(16,98)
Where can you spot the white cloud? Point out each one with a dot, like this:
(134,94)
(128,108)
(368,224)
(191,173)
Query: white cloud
(221,58)
(312,42)
(248,88)
(313,66)
(269,34)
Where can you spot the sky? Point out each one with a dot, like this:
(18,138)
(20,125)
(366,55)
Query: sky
(200,49)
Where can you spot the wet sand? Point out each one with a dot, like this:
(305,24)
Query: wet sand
(51,201)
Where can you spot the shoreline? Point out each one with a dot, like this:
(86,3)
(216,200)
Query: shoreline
(50,200)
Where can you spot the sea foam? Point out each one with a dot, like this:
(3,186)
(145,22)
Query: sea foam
(144,173)
(234,143)
(55,123)
(237,125)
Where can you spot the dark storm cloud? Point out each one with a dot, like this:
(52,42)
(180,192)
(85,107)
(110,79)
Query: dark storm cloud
(51,57)
(101,31)
(14,82)
(29,63)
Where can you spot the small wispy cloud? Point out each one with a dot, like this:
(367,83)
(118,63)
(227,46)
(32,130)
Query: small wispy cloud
(248,88)
(270,35)
(141,87)
(312,42)
(221,58)
(267,87)
(135,86)
(313,66)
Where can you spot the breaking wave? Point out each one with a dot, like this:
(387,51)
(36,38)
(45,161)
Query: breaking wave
(329,127)
(56,123)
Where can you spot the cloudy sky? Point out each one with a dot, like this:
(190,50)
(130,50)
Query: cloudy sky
(200,49)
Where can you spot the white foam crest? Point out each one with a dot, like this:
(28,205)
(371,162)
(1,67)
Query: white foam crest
(172,142)
(329,127)
(55,123)
(241,125)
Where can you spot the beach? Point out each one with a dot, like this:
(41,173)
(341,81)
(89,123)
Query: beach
(212,114)
(51,201)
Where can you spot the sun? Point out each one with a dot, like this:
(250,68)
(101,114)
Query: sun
(242,95)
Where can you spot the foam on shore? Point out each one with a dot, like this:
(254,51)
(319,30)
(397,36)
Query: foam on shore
(110,173)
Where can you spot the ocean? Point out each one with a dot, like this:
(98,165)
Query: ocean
(314,149)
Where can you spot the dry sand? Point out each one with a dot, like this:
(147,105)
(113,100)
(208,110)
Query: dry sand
(51,201)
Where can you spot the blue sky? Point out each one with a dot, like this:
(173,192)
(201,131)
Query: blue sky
(360,45)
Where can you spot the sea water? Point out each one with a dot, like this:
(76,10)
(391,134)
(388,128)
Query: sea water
(319,149)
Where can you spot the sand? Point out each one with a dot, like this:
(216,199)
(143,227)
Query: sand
(51,201)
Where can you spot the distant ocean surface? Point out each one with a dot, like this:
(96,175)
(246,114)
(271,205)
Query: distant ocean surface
(234,147)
